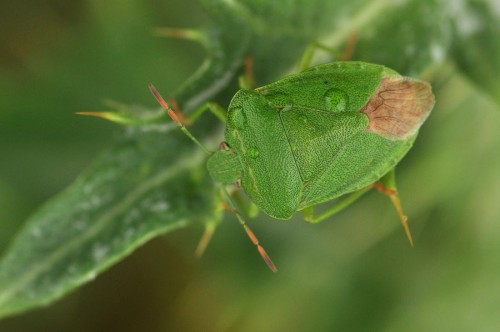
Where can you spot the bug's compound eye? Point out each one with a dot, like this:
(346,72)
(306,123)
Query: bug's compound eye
(336,100)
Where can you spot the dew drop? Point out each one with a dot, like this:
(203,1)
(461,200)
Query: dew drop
(335,100)
(253,152)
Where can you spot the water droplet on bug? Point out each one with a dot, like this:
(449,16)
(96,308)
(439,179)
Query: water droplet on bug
(253,152)
(335,100)
(238,117)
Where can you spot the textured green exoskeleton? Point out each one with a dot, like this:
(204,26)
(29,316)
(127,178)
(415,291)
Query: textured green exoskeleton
(322,133)
(334,130)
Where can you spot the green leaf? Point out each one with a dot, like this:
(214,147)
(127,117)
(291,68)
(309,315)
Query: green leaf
(153,180)
(142,187)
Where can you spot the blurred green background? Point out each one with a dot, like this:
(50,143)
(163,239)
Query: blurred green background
(355,272)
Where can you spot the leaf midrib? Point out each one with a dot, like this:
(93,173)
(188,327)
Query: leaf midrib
(106,218)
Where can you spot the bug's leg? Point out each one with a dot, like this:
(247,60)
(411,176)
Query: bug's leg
(387,185)
(250,234)
(247,80)
(205,238)
(344,202)
(249,208)
(216,109)
(211,225)
(309,52)
(349,47)
(311,49)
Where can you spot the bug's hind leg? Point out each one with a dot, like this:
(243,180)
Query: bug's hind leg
(341,204)
(387,186)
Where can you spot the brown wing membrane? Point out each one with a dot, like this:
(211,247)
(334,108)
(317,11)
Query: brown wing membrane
(398,107)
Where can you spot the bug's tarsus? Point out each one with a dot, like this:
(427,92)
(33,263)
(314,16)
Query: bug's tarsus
(404,219)
(396,202)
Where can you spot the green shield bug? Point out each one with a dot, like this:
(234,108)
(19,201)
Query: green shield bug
(332,131)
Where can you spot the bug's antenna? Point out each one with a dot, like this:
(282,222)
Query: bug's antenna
(176,118)
(250,234)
